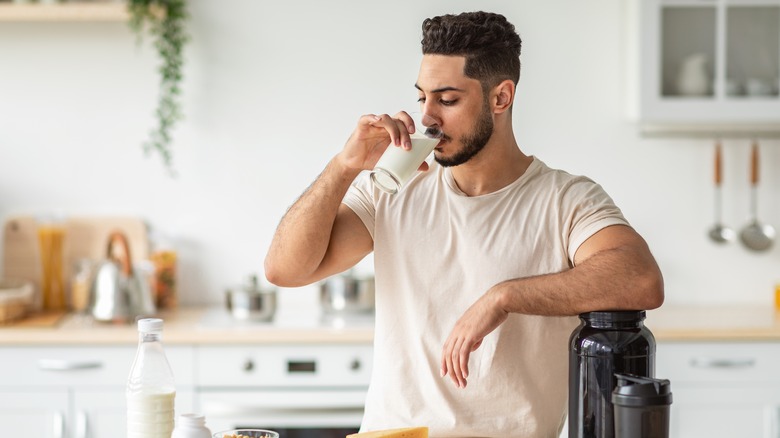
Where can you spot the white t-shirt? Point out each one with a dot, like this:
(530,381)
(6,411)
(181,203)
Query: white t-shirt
(436,251)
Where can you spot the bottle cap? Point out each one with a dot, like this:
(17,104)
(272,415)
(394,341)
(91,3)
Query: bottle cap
(640,391)
(192,419)
(150,325)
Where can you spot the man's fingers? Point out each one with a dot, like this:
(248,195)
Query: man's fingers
(391,125)
(465,351)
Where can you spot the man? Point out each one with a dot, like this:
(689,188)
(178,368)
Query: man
(482,262)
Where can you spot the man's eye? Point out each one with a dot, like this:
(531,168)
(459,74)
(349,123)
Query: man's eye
(421,100)
(447,102)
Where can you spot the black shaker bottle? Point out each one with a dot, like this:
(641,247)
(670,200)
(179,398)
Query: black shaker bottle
(641,407)
(605,343)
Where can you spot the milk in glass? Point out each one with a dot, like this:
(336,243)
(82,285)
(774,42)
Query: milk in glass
(397,165)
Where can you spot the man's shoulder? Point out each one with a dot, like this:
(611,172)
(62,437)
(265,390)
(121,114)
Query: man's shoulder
(554,177)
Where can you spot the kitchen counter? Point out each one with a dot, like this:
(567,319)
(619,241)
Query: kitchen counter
(715,323)
(197,326)
(214,326)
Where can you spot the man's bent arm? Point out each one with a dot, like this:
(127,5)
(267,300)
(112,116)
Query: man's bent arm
(318,236)
(614,270)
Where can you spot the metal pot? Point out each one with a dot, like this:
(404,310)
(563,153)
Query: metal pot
(118,293)
(250,302)
(347,293)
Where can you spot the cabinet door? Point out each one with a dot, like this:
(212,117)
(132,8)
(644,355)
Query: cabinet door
(710,62)
(722,389)
(94,366)
(38,414)
(712,412)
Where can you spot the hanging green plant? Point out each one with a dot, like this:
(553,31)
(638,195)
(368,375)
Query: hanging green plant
(166,20)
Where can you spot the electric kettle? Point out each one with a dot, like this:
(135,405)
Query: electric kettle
(118,293)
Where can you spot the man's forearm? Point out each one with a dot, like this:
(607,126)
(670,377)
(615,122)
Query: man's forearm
(302,237)
(620,278)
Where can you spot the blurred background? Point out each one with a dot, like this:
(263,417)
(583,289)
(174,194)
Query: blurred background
(272,90)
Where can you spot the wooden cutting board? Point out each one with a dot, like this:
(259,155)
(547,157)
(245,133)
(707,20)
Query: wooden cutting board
(85,237)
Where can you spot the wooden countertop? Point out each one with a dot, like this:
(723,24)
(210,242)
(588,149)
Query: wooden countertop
(214,326)
(194,325)
(738,322)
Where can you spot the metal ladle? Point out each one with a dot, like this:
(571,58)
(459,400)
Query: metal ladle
(719,233)
(756,236)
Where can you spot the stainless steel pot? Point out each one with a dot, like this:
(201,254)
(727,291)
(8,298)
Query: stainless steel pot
(347,293)
(251,302)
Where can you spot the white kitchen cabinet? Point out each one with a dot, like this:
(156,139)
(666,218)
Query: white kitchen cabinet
(76,392)
(39,414)
(722,389)
(709,67)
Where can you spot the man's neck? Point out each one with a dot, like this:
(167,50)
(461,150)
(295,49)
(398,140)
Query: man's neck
(496,166)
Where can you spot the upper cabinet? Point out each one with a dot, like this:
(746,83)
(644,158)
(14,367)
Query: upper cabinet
(709,67)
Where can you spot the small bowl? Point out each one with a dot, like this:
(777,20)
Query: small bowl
(251,433)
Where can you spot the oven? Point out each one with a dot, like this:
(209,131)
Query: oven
(299,390)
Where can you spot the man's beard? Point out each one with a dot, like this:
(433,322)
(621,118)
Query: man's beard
(473,142)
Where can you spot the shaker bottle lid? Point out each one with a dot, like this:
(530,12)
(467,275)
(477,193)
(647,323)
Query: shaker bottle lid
(150,325)
(638,391)
(606,316)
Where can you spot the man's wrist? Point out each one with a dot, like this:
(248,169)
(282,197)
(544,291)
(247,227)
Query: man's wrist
(341,168)
(501,296)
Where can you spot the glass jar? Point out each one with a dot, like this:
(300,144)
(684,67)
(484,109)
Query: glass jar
(79,285)
(51,244)
(605,343)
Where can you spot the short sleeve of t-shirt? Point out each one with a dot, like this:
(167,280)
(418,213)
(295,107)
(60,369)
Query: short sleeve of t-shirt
(360,198)
(587,209)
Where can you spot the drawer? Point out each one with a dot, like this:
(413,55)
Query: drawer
(284,366)
(719,362)
(86,366)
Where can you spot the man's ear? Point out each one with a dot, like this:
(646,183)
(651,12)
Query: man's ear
(503,96)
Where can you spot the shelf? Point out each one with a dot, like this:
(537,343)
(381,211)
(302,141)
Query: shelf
(63,12)
(710,130)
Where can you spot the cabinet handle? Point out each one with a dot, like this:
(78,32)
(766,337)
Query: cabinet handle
(68,365)
(59,425)
(708,362)
(771,420)
(81,425)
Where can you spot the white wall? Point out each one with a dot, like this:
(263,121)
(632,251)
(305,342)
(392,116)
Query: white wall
(273,90)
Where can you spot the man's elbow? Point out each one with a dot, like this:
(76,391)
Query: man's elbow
(277,275)
(652,290)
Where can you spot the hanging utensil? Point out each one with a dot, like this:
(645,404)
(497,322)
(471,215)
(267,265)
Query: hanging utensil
(756,236)
(719,233)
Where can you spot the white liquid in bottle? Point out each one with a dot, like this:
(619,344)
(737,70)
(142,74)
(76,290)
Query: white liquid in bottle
(150,387)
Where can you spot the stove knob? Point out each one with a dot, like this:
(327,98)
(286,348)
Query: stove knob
(249,366)
(355,365)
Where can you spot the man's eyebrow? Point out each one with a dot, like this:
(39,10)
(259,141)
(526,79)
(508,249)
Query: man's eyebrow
(440,90)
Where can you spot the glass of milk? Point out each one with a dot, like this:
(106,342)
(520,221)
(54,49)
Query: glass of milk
(397,165)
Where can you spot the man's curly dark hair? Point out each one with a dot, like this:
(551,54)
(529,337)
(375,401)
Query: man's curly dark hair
(487,40)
